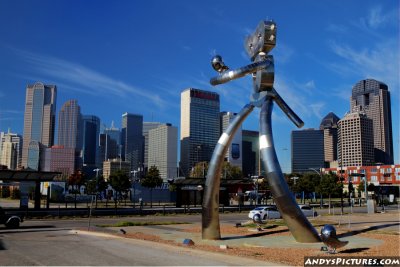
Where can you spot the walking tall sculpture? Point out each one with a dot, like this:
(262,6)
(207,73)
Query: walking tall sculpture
(257,46)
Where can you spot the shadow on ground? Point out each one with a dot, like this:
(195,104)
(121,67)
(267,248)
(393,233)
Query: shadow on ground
(371,228)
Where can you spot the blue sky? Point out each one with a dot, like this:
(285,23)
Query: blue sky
(137,56)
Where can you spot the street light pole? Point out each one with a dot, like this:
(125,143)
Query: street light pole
(320,176)
(97,182)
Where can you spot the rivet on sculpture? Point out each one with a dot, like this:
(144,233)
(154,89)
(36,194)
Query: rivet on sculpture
(257,46)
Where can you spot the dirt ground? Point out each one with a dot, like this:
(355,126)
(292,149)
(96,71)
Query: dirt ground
(287,256)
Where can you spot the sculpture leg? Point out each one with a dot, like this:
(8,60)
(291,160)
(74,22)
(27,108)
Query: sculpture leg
(299,226)
(210,211)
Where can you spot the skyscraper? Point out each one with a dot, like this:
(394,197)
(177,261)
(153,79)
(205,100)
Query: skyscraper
(69,125)
(234,153)
(147,126)
(163,150)
(10,150)
(90,142)
(355,140)
(70,130)
(132,139)
(373,98)
(39,121)
(110,141)
(251,153)
(200,127)
(307,150)
(329,127)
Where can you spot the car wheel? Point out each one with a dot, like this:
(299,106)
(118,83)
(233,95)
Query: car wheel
(13,223)
(315,214)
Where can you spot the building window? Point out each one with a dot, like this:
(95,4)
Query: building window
(374,178)
(397,177)
(374,170)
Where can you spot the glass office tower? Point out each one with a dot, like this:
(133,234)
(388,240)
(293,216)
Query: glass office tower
(39,122)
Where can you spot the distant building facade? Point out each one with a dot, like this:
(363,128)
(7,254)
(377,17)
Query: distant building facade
(200,127)
(330,128)
(39,122)
(234,153)
(355,140)
(110,143)
(132,139)
(251,154)
(307,147)
(90,143)
(10,150)
(147,126)
(163,149)
(373,98)
(114,165)
(70,128)
(378,175)
(59,159)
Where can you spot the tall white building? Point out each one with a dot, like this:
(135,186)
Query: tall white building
(234,153)
(10,150)
(147,126)
(39,122)
(163,150)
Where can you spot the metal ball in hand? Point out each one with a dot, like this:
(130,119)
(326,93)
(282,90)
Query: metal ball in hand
(218,64)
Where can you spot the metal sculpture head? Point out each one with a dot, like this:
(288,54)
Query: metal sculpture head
(263,40)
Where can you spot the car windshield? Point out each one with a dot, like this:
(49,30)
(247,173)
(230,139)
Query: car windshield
(259,208)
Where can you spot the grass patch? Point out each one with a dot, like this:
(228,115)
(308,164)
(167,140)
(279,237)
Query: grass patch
(124,224)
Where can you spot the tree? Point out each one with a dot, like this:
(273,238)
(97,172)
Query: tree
(329,185)
(228,171)
(120,182)
(76,179)
(96,185)
(199,170)
(151,180)
(231,172)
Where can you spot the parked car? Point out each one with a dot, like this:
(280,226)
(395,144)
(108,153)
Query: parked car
(266,212)
(10,220)
(308,211)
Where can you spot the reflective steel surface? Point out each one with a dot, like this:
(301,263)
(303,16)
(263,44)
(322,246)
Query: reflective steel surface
(295,219)
(210,208)
(257,46)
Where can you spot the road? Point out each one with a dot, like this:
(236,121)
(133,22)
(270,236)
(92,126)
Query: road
(66,242)
(69,247)
(57,242)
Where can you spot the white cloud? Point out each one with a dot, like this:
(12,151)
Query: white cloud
(79,78)
(376,18)
(310,85)
(379,62)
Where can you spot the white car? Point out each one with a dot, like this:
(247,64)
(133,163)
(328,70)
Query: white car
(308,211)
(266,212)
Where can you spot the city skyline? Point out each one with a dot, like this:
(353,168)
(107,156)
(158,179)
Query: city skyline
(115,58)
